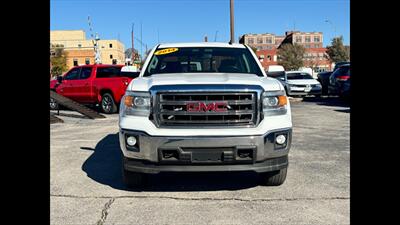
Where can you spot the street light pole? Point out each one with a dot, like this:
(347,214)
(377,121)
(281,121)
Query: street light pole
(334,27)
(232,23)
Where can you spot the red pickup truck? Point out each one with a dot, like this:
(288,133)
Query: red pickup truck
(93,84)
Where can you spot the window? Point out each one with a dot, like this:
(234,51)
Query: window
(206,59)
(75,62)
(129,74)
(114,61)
(268,57)
(298,39)
(86,72)
(250,41)
(110,45)
(259,40)
(269,40)
(317,39)
(79,45)
(307,39)
(87,61)
(107,72)
(298,76)
(307,46)
(73,74)
(111,56)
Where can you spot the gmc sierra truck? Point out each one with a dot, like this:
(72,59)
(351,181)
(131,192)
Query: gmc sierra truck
(204,107)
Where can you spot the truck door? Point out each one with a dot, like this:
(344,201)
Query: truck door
(84,85)
(67,87)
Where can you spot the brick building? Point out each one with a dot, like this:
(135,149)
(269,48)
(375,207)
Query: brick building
(267,45)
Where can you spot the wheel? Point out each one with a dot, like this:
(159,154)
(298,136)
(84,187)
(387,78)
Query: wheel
(53,104)
(274,178)
(108,104)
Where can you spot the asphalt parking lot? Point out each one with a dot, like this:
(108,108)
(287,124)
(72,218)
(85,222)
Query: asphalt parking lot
(86,184)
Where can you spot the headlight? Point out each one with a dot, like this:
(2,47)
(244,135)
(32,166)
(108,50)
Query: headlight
(274,103)
(136,103)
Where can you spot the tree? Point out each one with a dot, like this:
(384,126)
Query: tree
(254,49)
(291,56)
(337,51)
(58,60)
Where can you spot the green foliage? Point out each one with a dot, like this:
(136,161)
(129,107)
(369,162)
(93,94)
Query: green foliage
(58,60)
(337,52)
(291,56)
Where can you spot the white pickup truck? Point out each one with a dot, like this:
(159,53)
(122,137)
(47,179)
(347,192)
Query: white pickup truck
(204,107)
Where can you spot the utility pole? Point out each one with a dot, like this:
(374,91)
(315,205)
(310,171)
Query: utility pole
(141,38)
(95,39)
(215,38)
(205,39)
(334,27)
(232,23)
(133,49)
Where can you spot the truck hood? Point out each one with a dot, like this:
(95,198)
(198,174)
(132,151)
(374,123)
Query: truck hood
(303,81)
(145,83)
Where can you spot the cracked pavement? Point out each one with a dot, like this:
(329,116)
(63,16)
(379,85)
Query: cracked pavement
(86,183)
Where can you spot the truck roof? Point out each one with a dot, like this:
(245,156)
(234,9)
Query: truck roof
(201,44)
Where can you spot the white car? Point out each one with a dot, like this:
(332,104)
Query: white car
(221,114)
(299,83)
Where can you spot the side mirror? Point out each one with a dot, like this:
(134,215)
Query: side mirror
(59,79)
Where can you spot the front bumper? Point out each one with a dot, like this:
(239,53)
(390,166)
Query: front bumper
(313,91)
(143,166)
(205,153)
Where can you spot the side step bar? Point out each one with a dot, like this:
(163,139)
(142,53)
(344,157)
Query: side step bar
(75,106)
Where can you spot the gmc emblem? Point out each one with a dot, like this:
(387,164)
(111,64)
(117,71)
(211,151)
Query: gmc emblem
(203,107)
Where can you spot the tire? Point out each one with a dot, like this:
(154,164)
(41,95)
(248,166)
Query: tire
(53,104)
(274,178)
(107,104)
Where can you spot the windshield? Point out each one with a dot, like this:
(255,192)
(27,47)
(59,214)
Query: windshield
(202,60)
(298,76)
(277,74)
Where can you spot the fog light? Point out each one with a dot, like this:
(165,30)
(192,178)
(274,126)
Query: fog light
(131,140)
(280,139)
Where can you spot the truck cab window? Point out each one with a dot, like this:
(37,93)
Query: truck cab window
(73,74)
(86,72)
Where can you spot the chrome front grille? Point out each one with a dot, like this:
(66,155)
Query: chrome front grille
(171,109)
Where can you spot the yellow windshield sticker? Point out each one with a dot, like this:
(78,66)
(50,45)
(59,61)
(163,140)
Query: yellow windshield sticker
(166,51)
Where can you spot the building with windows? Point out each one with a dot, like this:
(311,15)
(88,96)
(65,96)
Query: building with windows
(265,41)
(80,50)
(267,46)
(306,39)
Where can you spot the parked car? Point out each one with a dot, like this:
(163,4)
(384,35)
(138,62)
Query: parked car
(338,78)
(323,77)
(93,84)
(217,113)
(339,64)
(298,83)
(344,90)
